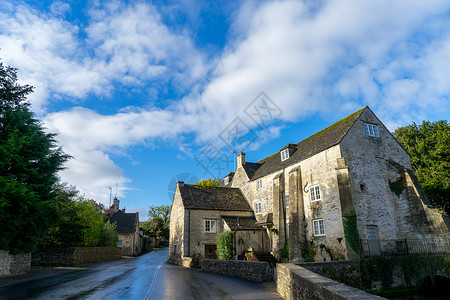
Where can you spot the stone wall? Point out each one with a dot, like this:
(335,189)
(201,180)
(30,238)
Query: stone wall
(14,264)
(248,270)
(73,256)
(296,282)
(347,272)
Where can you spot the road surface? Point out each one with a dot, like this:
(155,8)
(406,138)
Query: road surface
(146,277)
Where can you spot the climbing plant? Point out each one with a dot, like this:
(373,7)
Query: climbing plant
(351,231)
(225,245)
(284,252)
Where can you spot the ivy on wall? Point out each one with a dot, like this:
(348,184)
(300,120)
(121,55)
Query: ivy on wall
(308,250)
(351,231)
(225,245)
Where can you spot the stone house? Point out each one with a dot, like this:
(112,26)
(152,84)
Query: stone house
(199,214)
(352,170)
(127,227)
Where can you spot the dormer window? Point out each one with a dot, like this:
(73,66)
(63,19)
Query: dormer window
(226,180)
(284,154)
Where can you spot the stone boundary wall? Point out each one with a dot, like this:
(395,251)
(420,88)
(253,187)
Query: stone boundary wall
(296,282)
(74,256)
(14,264)
(250,270)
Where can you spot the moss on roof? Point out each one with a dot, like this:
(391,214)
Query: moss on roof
(310,146)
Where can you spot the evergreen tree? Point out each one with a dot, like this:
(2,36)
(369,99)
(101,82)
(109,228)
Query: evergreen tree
(29,161)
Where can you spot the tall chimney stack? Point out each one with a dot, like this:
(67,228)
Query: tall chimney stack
(241,159)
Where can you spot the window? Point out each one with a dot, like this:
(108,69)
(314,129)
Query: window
(314,192)
(371,233)
(286,200)
(226,180)
(371,130)
(120,243)
(210,226)
(259,184)
(257,207)
(175,249)
(284,154)
(318,227)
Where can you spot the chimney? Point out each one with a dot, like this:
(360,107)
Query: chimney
(123,209)
(116,204)
(241,159)
(180,184)
(111,210)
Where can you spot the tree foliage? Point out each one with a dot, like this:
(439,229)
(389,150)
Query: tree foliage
(225,245)
(79,222)
(29,161)
(158,223)
(429,147)
(209,182)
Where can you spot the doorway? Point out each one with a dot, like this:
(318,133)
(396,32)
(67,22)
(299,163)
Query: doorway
(374,242)
(210,251)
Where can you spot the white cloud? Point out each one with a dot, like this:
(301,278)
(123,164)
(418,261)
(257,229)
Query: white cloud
(330,58)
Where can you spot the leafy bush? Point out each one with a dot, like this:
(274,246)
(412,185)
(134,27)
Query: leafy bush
(225,245)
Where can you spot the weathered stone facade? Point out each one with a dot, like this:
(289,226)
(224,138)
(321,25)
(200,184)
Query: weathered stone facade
(301,195)
(188,234)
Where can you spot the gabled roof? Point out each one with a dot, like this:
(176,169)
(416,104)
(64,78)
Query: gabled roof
(213,198)
(241,223)
(322,140)
(125,222)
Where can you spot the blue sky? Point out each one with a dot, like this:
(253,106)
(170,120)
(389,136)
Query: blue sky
(143,93)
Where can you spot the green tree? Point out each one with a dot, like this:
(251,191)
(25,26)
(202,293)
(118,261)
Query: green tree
(29,161)
(209,182)
(79,222)
(158,223)
(225,245)
(429,147)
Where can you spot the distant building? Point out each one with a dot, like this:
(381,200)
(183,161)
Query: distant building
(127,227)
(302,194)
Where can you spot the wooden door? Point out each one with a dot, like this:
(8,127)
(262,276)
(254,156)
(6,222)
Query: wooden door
(210,251)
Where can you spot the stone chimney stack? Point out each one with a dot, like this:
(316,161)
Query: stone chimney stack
(116,204)
(241,159)
(111,210)
(123,209)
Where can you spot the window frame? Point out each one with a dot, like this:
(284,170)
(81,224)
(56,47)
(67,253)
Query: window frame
(210,222)
(258,205)
(371,130)
(284,154)
(320,229)
(311,194)
(259,184)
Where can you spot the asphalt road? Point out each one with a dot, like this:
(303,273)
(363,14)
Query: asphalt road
(146,277)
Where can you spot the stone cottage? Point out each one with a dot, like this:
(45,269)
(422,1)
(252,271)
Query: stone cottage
(127,227)
(345,191)
(199,214)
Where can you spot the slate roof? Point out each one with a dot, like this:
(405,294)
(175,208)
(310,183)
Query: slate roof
(125,222)
(213,198)
(245,223)
(322,140)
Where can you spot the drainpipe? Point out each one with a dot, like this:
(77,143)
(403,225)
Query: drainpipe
(283,202)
